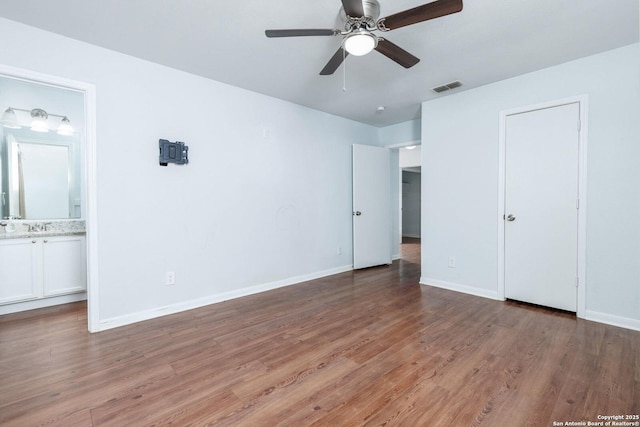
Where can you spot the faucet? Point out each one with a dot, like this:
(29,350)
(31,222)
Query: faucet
(35,227)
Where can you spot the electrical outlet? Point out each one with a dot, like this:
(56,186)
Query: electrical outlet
(339,251)
(170,278)
(452,262)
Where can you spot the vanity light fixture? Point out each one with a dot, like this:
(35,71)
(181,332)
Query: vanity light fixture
(65,127)
(38,121)
(9,119)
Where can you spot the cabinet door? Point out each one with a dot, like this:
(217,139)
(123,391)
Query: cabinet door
(64,266)
(20,271)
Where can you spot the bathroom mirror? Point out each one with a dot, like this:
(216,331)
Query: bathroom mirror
(41,182)
(40,170)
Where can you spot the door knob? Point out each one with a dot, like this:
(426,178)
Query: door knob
(511,218)
(357,213)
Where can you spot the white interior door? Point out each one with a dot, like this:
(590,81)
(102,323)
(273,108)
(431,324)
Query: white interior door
(371,206)
(541,206)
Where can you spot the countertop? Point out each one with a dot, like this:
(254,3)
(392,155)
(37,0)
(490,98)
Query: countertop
(37,234)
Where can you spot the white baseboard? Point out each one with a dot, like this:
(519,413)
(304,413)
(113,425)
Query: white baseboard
(128,319)
(472,290)
(610,319)
(396,257)
(42,303)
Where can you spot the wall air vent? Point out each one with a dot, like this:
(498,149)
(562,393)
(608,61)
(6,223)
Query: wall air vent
(446,87)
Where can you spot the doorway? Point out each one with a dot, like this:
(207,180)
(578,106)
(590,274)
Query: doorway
(56,99)
(404,157)
(410,164)
(542,204)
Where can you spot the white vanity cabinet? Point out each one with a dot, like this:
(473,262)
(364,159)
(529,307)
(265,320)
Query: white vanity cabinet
(63,265)
(41,267)
(20,270)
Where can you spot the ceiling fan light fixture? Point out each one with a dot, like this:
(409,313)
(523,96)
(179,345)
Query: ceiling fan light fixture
(360,18)
(360,43)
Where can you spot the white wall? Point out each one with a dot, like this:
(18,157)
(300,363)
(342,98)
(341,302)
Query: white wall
(400,133)
(460,135)
(239,218)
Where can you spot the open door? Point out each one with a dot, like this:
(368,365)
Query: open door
(371,206)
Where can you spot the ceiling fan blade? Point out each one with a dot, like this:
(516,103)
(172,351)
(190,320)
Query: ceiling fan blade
(396,53)
(301,32)
(422,13)
(334,62)
(353,8)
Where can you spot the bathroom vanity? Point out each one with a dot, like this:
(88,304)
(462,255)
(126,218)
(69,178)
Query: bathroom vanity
(41,267)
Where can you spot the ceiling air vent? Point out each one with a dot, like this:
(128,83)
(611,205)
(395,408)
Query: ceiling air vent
(446,87)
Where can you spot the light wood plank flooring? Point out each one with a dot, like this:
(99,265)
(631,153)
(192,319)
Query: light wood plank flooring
(370,347)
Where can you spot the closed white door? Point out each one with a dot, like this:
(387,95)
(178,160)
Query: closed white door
(371,206)
(541,206)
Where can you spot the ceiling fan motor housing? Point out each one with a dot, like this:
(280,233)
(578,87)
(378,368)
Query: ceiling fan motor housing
(368,20)
(371,9)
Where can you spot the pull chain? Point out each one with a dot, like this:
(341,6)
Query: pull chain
(344,70)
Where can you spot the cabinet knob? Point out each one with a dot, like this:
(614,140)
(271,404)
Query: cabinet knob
(33,241)
(46,241)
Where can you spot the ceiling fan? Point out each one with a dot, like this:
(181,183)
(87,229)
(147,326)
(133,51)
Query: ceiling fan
(361,20)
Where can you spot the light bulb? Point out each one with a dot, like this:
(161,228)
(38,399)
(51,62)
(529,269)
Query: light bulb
(10,119)
(65,127)
(360,43)
(39,122)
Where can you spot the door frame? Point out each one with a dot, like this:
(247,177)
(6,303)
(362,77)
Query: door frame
(582,101)
(88,152)
(397,226)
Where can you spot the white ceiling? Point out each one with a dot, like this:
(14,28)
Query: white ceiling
(489,40)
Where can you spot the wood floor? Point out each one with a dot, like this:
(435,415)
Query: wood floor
(370,347)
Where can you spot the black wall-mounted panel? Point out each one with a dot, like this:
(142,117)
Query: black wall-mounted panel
(173,152)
